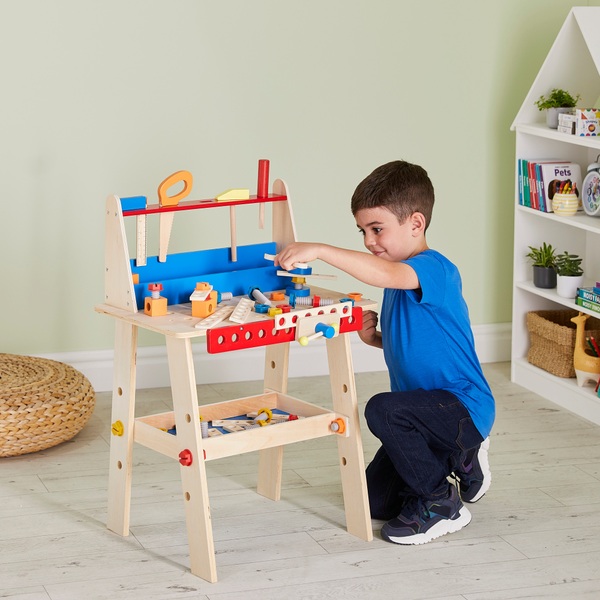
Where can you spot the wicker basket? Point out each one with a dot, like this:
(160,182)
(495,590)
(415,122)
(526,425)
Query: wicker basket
(42,403)
(552,340)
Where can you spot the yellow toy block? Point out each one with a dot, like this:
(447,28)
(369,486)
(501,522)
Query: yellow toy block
(204,308)
(155,307)
(233,194)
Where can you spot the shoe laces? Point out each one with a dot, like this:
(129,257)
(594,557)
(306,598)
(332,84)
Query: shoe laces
(415,506)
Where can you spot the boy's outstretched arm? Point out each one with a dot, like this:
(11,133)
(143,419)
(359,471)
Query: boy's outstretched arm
(365,267)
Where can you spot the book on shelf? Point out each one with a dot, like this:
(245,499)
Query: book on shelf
(540,179)
(524,198)
(591,294)
(540,189)
(594,306)
(533,189)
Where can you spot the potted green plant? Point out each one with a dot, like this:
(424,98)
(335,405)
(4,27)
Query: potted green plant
(543,258)
(569,274)
(555,102)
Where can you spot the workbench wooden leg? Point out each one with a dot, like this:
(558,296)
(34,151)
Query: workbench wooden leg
(191,453)
(350,449)
(270,462)
(122,421)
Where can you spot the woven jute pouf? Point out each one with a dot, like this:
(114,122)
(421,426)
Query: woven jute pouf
(42,403)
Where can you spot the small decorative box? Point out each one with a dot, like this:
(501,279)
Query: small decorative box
(588,121)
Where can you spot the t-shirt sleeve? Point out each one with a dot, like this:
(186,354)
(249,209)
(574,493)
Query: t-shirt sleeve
(432,279)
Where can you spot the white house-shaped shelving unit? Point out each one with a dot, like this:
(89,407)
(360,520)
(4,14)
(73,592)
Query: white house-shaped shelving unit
(573,64)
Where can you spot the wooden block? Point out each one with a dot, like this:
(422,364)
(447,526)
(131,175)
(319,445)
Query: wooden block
(155,307)
(242,310)
(223,422)
(219,315)
(234,428)
(133,203)
(201,292)
(140,245)
(233,233)
(204,308)
(291,319)
(233,194)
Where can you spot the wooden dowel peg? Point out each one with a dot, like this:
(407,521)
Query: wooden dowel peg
(233,230)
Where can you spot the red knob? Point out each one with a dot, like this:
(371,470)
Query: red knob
(186,458)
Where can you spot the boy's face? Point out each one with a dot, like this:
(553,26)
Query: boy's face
(386,237)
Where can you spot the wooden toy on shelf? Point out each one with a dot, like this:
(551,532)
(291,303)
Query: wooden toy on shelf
(587,367)
(247,270)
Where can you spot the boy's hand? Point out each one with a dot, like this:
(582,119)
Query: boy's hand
(297,252)
(369,334)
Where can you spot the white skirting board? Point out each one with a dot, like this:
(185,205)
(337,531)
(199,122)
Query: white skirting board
(492,343)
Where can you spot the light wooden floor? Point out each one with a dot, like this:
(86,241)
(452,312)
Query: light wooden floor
(536,534)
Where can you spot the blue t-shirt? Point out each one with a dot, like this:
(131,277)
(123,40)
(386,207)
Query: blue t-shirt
(428,342)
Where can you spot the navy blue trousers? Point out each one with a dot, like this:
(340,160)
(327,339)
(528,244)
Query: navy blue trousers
(423,436)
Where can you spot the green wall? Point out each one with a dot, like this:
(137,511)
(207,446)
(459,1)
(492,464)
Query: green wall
(111,97)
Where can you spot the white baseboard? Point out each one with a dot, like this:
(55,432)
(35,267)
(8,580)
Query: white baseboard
(491,341)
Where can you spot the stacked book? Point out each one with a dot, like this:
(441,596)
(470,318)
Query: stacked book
(589,297)
(539,180)
(567,123)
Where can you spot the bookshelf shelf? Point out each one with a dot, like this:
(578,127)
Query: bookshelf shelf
(541,130)
(551,295)
(578,221)
(563,392)
(571,64)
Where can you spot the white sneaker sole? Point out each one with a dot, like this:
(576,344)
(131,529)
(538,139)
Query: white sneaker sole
(440,528)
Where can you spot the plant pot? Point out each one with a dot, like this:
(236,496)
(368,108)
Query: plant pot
(566,285)
(544,277)
(552,116)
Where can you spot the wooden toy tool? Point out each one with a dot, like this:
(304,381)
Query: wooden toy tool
(166,219)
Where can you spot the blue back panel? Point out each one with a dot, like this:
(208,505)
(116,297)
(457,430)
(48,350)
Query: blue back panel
(180,273)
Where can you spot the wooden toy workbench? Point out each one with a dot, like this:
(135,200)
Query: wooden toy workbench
(237,270)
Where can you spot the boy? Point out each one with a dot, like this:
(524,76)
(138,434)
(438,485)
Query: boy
(437,417)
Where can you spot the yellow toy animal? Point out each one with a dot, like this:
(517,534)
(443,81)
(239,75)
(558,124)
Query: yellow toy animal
(587,367)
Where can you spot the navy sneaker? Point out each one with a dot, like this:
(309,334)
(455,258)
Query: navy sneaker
(421,521)
(474,473)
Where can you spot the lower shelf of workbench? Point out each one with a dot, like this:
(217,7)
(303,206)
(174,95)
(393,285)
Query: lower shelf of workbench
(150,431)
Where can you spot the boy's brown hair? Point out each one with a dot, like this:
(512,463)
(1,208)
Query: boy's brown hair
(399,186)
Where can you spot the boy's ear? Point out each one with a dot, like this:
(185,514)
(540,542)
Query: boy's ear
(418,223)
